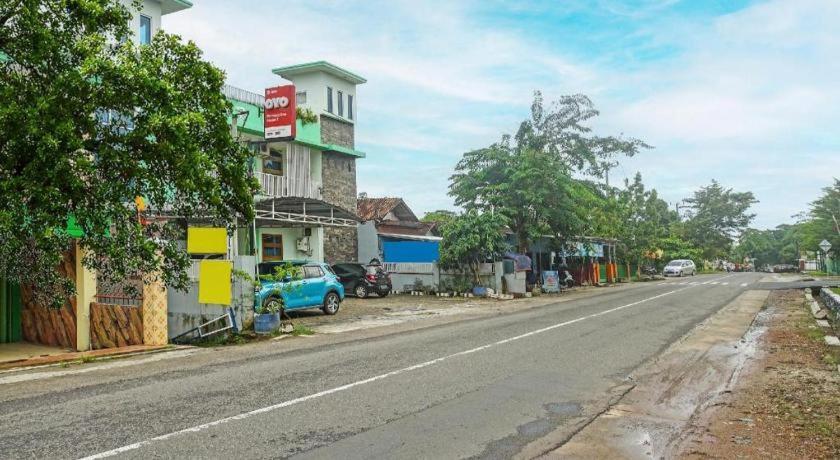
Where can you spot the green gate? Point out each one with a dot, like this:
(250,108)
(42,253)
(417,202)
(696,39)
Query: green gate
(10,307)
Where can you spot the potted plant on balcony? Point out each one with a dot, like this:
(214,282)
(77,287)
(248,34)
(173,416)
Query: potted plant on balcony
(268,299)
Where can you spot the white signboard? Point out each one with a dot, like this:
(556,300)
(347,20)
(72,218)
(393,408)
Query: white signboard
(825,245)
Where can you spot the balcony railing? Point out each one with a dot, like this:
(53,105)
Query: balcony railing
(275,186)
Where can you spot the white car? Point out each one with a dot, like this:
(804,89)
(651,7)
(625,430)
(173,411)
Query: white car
(680,267)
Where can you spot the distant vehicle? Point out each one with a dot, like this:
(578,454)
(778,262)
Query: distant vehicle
(784,268)
(362,280)
(318,288)
(680,267)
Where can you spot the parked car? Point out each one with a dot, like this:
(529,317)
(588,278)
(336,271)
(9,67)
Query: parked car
(317,288)
(680,267)
(362,280)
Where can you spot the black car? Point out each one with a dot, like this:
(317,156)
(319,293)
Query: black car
(362,280)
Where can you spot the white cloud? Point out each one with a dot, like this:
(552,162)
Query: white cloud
(749,98)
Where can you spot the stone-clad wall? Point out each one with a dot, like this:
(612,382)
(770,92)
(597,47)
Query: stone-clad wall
(338,174)
(337,132)
(339,178)
(340,244)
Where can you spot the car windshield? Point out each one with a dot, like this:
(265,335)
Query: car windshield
(675,263)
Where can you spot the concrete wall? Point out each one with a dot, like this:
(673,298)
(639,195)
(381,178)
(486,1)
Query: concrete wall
(437,279)
(150,8)
(368,241)
(185,313)
(290,237)
(315,84)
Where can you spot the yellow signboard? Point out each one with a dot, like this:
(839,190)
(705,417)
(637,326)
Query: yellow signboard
(206,240)
(214,281)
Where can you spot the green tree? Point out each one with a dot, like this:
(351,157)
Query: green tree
(823,220)
(89,120)
(472,238)
(643,221)
(440,217)
(716,218)
(528,178)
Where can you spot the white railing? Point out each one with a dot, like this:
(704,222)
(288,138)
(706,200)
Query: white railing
(275,186)
(409,267)
(243,95)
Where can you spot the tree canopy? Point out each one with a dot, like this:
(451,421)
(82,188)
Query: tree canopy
(717,216)
(89,120)
(472,238)
(528,178)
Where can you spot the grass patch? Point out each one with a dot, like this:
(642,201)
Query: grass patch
(86,359)
(836,290)
(300,329)
(221,340)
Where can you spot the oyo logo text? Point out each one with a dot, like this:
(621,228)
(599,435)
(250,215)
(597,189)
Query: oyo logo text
(277,102)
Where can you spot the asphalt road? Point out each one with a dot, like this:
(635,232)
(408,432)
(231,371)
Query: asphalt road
(482,388)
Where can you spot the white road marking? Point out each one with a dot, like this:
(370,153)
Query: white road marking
(744,284)
(714,282)
(725,284)
(348,386)
(695,283)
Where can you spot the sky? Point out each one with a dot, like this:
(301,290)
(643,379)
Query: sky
(744,92)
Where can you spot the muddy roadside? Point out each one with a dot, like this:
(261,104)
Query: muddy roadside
(668,391)
(788,406)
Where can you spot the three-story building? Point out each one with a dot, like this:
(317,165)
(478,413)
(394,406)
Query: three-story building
(306,205)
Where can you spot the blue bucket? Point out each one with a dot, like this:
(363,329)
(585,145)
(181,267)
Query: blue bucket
(480,291)
(266,323)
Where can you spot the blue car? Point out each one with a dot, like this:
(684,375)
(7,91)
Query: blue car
(318,288)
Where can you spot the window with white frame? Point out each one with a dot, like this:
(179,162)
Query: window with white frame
(350,106)
(300,97)
(340,104)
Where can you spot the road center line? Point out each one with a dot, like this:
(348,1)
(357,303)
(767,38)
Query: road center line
(292,402)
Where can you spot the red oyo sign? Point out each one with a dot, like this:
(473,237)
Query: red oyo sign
(279,119)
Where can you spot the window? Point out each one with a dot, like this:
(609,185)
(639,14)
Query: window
(340,104)
(273,164)
(329,100)
(145,35)
(300,97)
(272,247)
(312,272)
(350,106)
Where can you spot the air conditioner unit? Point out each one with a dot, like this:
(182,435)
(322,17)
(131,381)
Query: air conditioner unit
(303,245)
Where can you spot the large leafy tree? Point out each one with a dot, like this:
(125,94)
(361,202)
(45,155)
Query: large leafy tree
(717,216)
(823,220)
(89,120)
(643,222)
(528,178)
(472,238)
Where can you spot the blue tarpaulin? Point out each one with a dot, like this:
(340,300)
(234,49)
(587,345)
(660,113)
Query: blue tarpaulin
(410,251)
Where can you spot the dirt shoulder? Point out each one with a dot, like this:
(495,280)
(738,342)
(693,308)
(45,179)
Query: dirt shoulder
(667,392)
(788,406)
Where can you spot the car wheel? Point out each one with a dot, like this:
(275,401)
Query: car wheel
(361,291)
(331,303)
